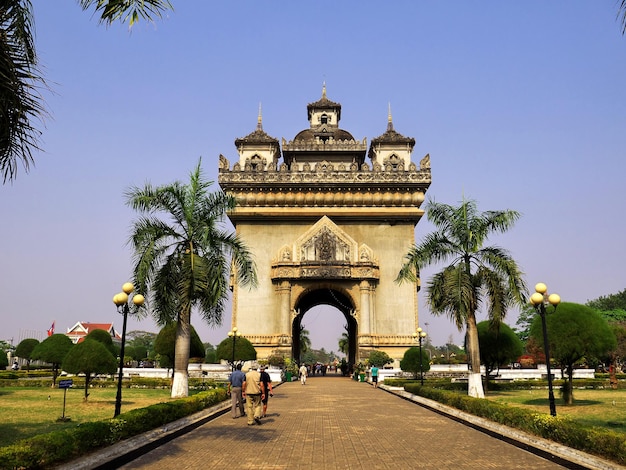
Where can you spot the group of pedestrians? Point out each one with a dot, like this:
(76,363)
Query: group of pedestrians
(255,387)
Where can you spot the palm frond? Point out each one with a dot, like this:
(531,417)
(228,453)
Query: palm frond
(182,250)
(21,83)
(127,10)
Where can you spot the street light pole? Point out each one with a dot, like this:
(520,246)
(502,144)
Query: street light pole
(234,333)
(121,301)
(419,335)
(539,300)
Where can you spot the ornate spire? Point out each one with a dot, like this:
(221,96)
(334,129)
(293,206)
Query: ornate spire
(389,120)
(259,120)
(324,90)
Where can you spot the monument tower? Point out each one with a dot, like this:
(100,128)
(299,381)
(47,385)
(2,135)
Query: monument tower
(328,223)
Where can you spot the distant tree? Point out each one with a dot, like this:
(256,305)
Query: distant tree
(305,340)
(308,357)
(477,276)
(130,354)
(140,353)
(411,361)
(244,351)
(103,337)
(165,344)
(609,302)
(24,350)
(613,308)
(53,350)
(575,332)
(4,361)
(142,344)
(524,320)
(209,356)
(499,346)
(379,359)
(90,357)
(344,341)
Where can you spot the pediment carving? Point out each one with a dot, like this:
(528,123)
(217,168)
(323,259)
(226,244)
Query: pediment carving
(325,251)
(325,242)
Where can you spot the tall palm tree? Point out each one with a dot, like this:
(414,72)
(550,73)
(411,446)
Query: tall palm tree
(477,276)
(184,263)
(21,104)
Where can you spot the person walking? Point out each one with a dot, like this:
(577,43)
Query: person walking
(235,382)
(267,386)
(374,372)
(303,373)
(253,391)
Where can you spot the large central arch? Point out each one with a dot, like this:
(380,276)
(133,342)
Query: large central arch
(326,227)
(325,294)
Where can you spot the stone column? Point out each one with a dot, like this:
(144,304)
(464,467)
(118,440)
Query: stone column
(364,325)
(284,291)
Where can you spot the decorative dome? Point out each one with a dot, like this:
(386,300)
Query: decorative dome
(335,134)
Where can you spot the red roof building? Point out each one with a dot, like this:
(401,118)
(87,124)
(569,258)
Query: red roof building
(81,329)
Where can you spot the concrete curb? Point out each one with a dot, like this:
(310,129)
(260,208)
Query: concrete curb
(535,444)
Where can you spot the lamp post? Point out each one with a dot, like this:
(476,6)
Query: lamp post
(121,300)
(419,335)
(234,334)
(540,299)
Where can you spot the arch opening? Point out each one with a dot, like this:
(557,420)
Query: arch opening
(332,297)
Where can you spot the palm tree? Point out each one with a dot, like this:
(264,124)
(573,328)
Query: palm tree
(477,274)
(185,263)
(21,105)
(344,341)
(305,341)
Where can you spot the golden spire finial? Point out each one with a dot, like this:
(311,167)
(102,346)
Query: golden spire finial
(259,120)
(389,119)
(324,90)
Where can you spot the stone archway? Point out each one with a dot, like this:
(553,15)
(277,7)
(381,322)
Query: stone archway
(319,218)
(325,294)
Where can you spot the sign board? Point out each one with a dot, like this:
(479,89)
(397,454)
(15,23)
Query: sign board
(65,383)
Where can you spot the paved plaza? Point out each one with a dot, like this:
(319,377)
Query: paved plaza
(337,423)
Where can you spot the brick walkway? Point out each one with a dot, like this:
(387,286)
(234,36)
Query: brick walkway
(337,423)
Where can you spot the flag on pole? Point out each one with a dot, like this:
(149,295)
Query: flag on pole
(51,330)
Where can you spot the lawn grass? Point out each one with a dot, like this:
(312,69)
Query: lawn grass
(592,407)
(27,412)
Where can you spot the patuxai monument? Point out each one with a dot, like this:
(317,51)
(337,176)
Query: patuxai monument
(328,221)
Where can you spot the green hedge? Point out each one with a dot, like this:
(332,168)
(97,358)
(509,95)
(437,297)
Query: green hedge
(600,442)
(133,382)
(56,447)
(447,384)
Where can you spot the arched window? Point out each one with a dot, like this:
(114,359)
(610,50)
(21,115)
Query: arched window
(256,163)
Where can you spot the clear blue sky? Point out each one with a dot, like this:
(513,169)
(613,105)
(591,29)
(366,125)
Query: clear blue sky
(521,105)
